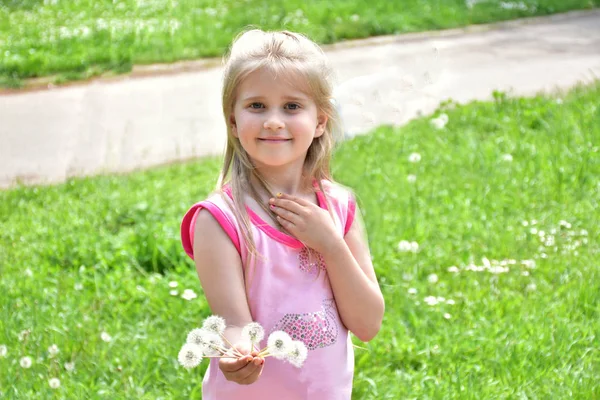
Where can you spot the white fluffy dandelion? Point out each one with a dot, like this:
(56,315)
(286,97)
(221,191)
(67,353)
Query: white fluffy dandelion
(197,336)
(433,278)
(411,178)
(253,332)
(297,354)
(404,246)
(278,344)
(53,350)
(105,337)
(3,350)
(447,316)
(54,383)
(189,294)
(507,157)
(214,345)
(412,290)
(414,158)
(25,362)
(70,366)
(190,355)
(173,284)
(440,122)
(215,324)
(453,269)
(414,247)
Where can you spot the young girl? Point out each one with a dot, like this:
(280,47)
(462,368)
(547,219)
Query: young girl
(279,242)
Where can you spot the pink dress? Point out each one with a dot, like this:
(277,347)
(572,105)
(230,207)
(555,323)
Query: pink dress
(290,291)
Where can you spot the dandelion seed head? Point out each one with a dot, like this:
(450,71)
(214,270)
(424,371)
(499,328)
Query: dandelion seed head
(414,157)
(411,178)
(297,354)
(447,316)
(190,355)
(173,292)
(279,344)
(215,324)
(453,269)
(189,294)
(53,350)
(412,290)
(507,158)
(25,362)
(173,284)
(253,332)
(433,278)
(3,350)
(54,383)
(105,337)
(70,366)
(404,246)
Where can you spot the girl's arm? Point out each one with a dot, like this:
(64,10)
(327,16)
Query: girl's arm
(352,277)
(220,271)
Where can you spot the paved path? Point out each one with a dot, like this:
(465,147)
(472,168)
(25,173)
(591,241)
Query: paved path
(46,136)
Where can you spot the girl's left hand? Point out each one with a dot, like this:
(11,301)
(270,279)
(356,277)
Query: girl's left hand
(308,222)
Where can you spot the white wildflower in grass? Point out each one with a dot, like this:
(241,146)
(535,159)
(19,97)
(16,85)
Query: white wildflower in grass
(278,344)
(29,272)
(447,316)
(215,324)
(173,284)
(24,334)
(173,292)
(297,353)
(431,300)
(414,158)
(354,17)
(412,290)
(497,269)
(451,302)
(525,273)
(190,355)
(25,362)
(53,350)
(439,122)
(3,350)
(189,294)
(453,269)
(254,333)
(533,231)
(433,278)
(531,287)
(414,247)
(507,157)
(404,246)
(524,223)
(105,337)
(583,232)
(411,178)
(528,263)
(70,366)
(564,224)
(54,383)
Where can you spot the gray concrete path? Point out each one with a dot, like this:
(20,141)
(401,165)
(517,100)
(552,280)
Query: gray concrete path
(47,136)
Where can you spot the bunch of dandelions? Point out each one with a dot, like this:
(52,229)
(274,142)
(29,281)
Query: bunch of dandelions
(206,342)
(209,342)
(281,346)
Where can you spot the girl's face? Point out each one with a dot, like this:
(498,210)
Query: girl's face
(274,120)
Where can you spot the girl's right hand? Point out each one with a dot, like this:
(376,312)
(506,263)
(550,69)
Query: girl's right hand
(243,370)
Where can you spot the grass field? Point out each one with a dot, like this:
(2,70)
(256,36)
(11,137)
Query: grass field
(79,39)
(501,300)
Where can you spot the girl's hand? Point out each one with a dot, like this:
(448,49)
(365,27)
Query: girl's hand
(243,370)
(308,222)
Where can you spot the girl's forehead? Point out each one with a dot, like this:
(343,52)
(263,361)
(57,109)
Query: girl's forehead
(265,82)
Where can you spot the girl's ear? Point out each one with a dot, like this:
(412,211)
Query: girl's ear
(233,125)
(321,125)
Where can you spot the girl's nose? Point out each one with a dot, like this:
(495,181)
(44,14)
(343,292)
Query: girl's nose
(273,122)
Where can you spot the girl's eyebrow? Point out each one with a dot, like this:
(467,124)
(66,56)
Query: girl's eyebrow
(287,98)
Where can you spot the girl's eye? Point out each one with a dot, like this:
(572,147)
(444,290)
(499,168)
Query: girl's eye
(256,106)
(293,106)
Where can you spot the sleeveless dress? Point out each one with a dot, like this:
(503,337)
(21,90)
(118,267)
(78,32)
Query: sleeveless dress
(288,289)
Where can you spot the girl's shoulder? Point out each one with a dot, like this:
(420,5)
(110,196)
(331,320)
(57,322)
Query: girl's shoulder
(220,207)
(342,201)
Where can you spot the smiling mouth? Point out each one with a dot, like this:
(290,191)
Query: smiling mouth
(273,140)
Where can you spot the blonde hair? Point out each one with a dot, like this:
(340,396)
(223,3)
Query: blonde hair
(281,53)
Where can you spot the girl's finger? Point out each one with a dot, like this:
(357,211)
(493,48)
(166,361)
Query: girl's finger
(244,373)
(295,199)
(285,214)
(253,376)
(289,205)
(234,364)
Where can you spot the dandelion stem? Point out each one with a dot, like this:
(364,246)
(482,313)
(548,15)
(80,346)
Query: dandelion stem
(239,354)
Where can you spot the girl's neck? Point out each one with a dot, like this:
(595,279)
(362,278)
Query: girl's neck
(283,181)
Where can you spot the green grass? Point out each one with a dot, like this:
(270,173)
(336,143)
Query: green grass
(96,255)
(79,39)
